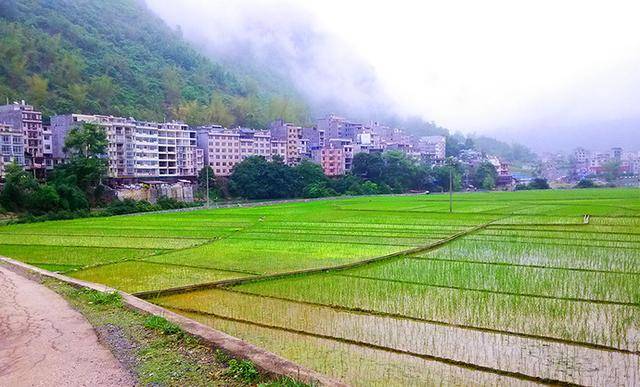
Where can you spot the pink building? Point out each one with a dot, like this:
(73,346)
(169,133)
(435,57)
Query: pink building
(332,161)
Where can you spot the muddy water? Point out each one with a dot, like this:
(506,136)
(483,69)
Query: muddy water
(536,358)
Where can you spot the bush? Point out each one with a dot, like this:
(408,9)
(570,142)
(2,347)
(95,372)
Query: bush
(60,215)
(162,324)
(539,183)
(284,382)
(104,298)
(586,183)
(243,370)
(129,206)
(534,184)
(317,190)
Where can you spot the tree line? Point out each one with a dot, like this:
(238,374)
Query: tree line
(116,57)
(375,173)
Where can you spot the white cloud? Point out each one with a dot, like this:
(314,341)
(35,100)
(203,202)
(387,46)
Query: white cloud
(471,65)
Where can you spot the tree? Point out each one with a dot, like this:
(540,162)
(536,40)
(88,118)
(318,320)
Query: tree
(87,141)
(318,190)
(214,189)
(368,166)
(400,173)
(68,69)
(87,166)
(78,94)
(257,178)
(103,90)
(539,183)
(190,112)
(44,199)
(38,89)
(441,178)
(19,185)
(454,145)
(309,173)
(218,112)
(71,196)
(172,85)
(611,170)
(485,176)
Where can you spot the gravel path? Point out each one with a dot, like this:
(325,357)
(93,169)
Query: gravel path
(44,342)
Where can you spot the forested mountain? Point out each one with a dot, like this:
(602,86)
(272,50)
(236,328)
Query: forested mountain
(117,57)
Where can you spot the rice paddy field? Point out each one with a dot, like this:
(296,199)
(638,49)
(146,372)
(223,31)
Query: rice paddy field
(523,288)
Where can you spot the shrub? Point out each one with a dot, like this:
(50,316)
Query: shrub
(162,324)
(284,382)
(104,298)
(243,370)
(586,183)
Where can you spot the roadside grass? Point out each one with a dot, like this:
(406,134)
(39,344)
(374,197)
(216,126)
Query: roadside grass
(156,351)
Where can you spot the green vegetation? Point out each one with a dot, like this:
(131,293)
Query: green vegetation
(389,172)
(117,57)
(163,325)
(528,276)
(537,183)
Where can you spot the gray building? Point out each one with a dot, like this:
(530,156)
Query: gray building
(24,118)
(137,149)
(11,147)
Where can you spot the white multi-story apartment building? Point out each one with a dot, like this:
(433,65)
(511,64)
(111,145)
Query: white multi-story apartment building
(433,147)
(137,149)
(23,117)
(177,150)
(11,147)
(47,145)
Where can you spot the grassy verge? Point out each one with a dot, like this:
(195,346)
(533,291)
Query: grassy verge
(157,351)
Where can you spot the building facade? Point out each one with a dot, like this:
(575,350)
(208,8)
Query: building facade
(25,118)
(224,148)
(136,149)
(11,147)
(433,147)
(292,134)
(332,161)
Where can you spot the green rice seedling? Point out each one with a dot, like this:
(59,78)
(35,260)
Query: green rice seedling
(134,276)
(395,333)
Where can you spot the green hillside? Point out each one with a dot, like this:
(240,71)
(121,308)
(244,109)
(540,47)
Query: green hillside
(117,57)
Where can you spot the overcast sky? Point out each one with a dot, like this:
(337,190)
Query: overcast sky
(524,70)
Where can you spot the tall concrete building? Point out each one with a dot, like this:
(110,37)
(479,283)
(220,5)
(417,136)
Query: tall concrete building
(25,118)
(333,126)
(11,147)
(433,147)
(225,148)
(136,149)
(332,161)
(292,134)
(616,153)
(47,145)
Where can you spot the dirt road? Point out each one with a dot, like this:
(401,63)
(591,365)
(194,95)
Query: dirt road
(44,342)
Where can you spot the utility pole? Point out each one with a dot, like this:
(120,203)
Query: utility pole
(450,188)
(207,169)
